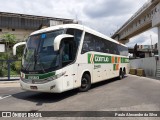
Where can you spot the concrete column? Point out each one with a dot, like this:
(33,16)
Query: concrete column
(159,42)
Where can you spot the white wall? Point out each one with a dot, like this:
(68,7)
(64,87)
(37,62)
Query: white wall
(148,64)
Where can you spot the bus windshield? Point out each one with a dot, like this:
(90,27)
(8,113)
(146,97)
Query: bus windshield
(39,54)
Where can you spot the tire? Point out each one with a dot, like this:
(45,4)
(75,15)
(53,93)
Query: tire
(121,74)
(85,83)
(124,71)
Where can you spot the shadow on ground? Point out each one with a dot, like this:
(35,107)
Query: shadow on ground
(40,98)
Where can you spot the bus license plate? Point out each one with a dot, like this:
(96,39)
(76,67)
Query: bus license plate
(34,87)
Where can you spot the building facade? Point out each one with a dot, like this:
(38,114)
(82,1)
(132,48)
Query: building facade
(21,25)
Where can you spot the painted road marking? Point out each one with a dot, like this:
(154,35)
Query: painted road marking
(4,96)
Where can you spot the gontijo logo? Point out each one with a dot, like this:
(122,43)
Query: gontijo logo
(93,59)
(101,59)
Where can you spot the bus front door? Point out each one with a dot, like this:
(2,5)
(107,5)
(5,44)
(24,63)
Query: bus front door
(69,67)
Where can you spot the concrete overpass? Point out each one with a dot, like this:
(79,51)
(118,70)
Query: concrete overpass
(147,17)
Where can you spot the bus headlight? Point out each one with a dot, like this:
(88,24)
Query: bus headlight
(58,75)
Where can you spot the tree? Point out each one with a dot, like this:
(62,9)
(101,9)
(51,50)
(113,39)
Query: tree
(9,40)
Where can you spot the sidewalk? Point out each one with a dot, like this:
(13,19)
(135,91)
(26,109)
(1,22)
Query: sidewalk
(11,78)
(4,84)
(13,82)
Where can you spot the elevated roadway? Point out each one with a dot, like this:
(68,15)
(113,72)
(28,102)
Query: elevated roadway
(145,18)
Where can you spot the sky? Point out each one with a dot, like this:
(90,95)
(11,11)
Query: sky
(105,16)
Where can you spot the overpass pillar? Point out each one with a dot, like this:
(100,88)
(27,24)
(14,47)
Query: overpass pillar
(159,41)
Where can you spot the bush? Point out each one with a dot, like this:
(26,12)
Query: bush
(18,66)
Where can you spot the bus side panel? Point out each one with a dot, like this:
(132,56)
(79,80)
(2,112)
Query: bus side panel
(68,77)
(83,66)
(76,78)
(73,74)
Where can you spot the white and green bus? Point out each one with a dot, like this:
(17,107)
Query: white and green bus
(65,57)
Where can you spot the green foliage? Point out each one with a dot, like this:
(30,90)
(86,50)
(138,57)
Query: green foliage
(3,56)
(20,50)
(3,68)
(9,38)
(17,66)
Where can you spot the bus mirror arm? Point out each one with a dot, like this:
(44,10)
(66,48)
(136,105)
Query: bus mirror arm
(16,45)
(58,39)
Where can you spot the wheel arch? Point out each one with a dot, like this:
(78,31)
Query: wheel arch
(87,72)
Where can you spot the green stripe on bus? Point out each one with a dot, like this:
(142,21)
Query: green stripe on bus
(101,59)
(89,57)
(116,59)
(114,66)
(39,76)
(124,60)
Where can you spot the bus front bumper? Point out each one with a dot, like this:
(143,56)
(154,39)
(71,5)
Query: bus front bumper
(54,86)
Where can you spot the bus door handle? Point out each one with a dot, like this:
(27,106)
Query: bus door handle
(65,75)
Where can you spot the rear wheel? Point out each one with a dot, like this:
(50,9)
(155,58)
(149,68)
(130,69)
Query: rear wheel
(124,72)
(121,74)
(85,83)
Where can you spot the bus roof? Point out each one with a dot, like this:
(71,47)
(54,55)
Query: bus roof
(76,26)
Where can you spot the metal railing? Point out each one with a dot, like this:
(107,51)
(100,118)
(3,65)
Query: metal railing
(10,69)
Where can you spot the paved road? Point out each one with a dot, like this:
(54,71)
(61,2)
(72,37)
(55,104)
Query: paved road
(130,94)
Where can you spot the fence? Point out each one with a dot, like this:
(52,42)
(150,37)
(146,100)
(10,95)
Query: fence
(10,69)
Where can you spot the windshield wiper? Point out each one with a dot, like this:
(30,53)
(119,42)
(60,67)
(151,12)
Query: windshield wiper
(40,63)
(29,64)
(36,57)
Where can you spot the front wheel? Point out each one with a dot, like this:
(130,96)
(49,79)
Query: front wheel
(85,83)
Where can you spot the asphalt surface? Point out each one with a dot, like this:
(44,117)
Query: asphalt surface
(129,94)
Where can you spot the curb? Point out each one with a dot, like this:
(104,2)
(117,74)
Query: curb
(8,80)
(5,82)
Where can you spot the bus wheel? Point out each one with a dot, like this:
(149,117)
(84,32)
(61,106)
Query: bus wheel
(124,71)
(121,74)
(85,83)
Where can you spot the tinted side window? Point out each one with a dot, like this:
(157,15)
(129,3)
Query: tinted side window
(76,33)
(77,37)
(99,45)
(88,43)
(123,50)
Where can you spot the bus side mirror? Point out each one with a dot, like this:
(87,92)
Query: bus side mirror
(58,39)
(16,45)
